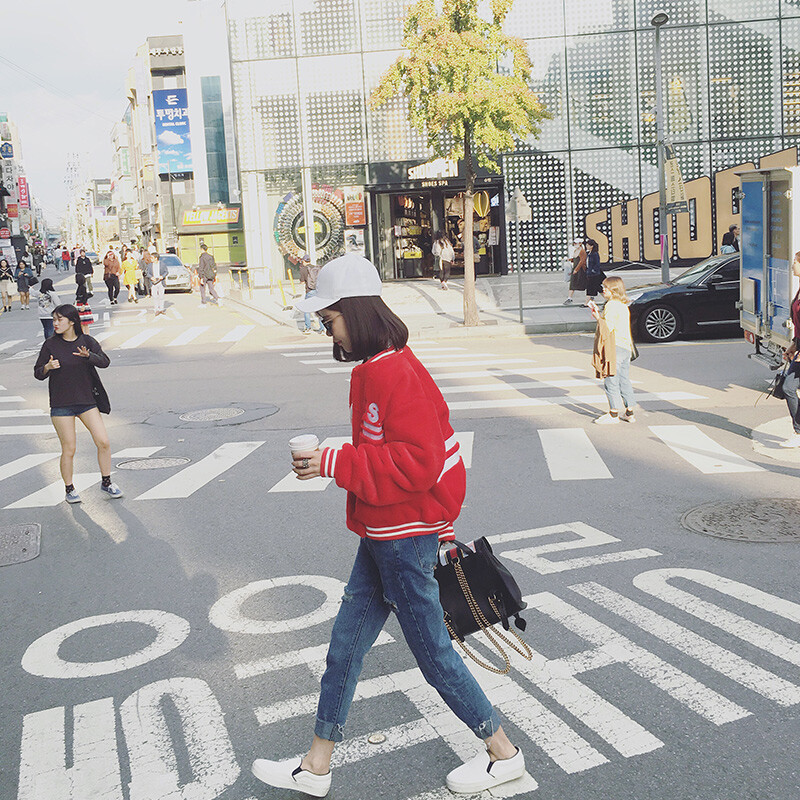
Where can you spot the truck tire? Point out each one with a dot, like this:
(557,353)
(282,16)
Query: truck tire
(660,324)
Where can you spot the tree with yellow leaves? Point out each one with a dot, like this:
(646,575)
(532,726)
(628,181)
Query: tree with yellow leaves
(467,86)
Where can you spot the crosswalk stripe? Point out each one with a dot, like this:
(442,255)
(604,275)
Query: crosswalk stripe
(24,412)
(15,398)
(417,351)
(436,368)
(189,335)
(26,429)
(25,462)
(8,345)
(507,386)
(701,451)
(137,452)
(570,456)
(314,345)
(23,354)
(139,338)
(468,358)
(194,477)
(103,335)
(592,399)
(504,373)
(237,334)
(177,314)
(53,494)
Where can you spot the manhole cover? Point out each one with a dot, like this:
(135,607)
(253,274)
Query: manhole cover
(769,520)
(211,414)
(19,543)
(152,463)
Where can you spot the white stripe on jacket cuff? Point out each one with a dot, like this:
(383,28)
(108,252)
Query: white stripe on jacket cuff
(327,464)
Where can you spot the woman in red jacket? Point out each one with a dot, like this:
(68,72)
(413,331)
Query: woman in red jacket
(405,483)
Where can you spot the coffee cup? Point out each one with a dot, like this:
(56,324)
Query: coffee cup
(303,444)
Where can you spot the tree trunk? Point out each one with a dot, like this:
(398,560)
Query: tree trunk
(470,305)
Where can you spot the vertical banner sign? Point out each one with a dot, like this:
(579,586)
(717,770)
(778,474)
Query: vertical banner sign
(24,201)
(171,109)
(676,191)
(12,209)
(355,212)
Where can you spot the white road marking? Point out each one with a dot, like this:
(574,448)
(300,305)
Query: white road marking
(314,345)
(24,412)
(94,770)
(139,339)
(237,334)
(12,399)
(435,369)
(9,344)
(701,451)
(417,351)
(506,373)
(186,482)
(25,462)
(502,385)
(425,356)
(103,335)
(177,314)
(23,354)
(712,655)
(26,429)
(558,677)
(137,452)
(571,456)
(537,402)
(53,494)
(189,335)
(585,536)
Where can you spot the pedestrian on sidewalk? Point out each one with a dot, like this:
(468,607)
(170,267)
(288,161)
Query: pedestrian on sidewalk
(65,259)
(443,249)
(112,270)
(38,259)
(207,272)
(25,279)
(308,275)
(7,283)
(84,266)
(405,483)
(594,272)
(68,361)
(577,277)
(48,301)
(82,295)
(791,383)
(145,261)
(155,276)
(613,350)
(130,266)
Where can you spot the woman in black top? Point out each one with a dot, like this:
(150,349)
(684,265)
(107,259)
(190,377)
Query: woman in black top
(6,283)
(66,361)
(594,273)
(25,279)
(791,383)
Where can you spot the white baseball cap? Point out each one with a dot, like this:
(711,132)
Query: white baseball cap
(350,275)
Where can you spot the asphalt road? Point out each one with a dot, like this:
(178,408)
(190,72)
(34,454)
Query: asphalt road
(161,642)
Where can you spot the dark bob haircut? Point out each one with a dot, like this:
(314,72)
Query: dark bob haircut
(371,326)
(72,314)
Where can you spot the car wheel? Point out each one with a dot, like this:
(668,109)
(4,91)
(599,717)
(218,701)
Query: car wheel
(660,324)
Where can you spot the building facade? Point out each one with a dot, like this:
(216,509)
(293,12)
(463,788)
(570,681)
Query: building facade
(302,73)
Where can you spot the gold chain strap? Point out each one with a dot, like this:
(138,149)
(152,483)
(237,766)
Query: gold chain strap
(488,630)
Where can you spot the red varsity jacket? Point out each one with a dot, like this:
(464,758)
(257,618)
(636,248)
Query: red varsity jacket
(403,473)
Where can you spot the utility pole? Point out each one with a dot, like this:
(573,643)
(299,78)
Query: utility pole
(659,20)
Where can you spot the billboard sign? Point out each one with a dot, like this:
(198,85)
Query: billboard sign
(354,206)
(171,110)
(24,200)
(13,210)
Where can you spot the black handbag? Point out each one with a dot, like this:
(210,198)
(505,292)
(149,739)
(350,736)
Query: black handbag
(99,392)
(634,351)
(776,387)
(476,592)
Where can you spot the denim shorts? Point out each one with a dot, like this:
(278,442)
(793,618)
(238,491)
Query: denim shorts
(71,411)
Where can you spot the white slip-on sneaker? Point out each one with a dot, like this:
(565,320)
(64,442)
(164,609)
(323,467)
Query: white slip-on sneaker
(607,419)
(481,773)
(290,775)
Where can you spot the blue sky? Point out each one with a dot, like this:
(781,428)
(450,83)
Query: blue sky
(79,53)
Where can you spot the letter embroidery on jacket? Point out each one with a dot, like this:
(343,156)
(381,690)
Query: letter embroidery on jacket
(371,425)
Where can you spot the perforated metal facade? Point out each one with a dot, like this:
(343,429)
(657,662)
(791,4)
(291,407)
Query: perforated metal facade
(731,83)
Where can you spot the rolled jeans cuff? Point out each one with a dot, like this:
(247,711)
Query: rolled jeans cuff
(330,731)
(489,727)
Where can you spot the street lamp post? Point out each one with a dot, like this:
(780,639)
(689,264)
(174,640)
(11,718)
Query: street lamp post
(659,20)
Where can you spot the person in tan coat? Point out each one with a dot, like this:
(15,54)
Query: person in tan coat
(112,270)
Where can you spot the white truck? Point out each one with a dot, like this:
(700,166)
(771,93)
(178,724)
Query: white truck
(770,238)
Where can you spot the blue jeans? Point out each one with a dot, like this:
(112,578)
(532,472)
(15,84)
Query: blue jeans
(791,386)
(47,324)
(307,317)
(397,576)
(618,387)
